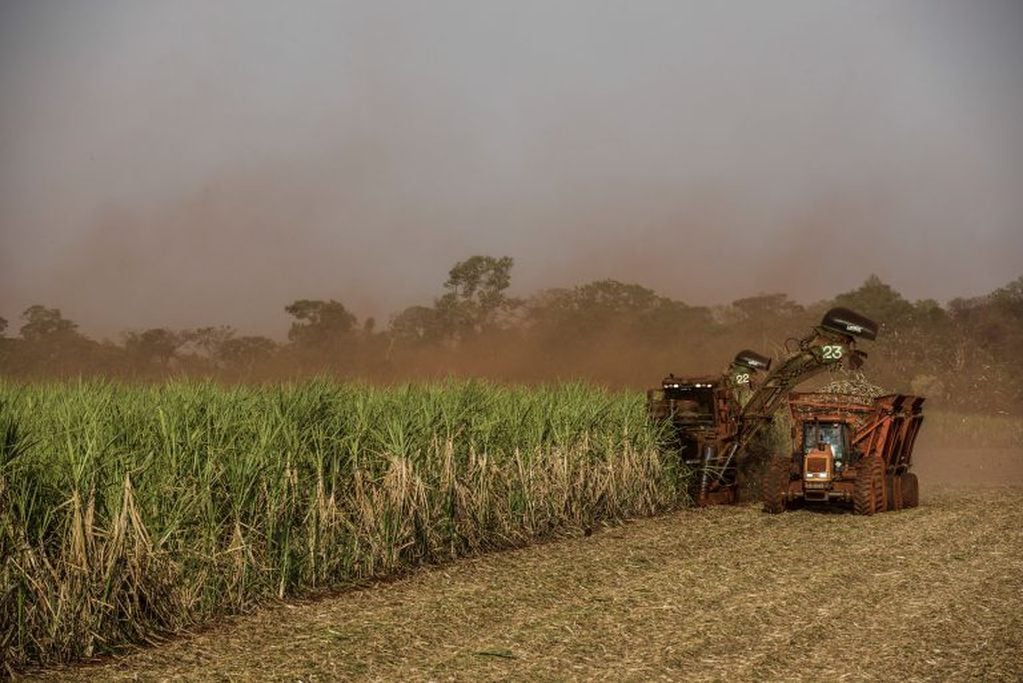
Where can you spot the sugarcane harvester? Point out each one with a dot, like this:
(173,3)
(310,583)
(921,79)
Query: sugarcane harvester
(711,421)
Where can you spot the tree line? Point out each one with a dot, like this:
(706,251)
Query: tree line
(961,355)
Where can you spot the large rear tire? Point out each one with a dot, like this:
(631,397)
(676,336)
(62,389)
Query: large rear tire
(776,484)
(893,488)
(910,490)
(868,493)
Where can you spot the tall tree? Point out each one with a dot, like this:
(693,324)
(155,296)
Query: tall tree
(153,348)
(245,353)
(321,328)
(475,297)
(612,306)
(51,343)
(46,324)
(207,340)
(417,325)
(877,300)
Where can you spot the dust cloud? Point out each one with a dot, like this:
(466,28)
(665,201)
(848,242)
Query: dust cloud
(195,164)
(940,466)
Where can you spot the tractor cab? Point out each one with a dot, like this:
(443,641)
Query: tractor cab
(825,456)
(694,408)
(827,437)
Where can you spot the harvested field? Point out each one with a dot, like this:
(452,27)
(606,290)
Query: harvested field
(934,593)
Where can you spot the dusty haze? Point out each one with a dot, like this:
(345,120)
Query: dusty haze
(195,163)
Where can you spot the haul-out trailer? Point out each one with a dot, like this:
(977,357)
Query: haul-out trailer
(847,449)
(712,420)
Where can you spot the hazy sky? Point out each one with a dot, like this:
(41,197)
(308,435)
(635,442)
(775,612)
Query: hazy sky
(188,163)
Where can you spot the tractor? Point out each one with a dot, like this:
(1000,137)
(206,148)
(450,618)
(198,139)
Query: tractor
(847,449)
(712,420)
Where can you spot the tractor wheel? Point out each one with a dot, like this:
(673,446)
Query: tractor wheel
(910,490)
(776,483)
(868,492)
(881,490)
(893,489)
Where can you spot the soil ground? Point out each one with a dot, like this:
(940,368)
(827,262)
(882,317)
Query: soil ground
(727,593)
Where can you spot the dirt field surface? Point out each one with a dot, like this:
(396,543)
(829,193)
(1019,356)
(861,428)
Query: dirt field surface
(934,593)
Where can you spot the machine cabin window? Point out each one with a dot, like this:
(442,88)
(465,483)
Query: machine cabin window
(835,434)
(692,403)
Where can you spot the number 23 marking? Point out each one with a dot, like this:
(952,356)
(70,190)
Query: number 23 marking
(832,352)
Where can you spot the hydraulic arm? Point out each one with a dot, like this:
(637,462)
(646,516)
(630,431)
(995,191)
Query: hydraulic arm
(830,345)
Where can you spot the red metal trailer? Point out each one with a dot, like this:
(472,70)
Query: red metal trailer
(848,449)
